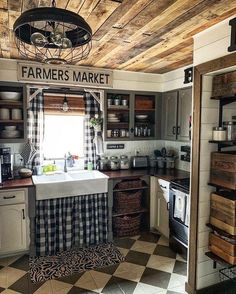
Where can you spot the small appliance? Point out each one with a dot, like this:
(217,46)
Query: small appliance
(140,161)
(6,163)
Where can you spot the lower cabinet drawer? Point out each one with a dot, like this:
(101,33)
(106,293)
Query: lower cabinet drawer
(12,197)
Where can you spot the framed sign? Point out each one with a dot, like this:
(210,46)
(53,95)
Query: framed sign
(64,75)
(115,146)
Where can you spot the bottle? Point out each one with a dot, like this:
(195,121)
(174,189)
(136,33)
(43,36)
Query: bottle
(90,165)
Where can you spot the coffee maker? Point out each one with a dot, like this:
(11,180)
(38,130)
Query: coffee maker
(6,163)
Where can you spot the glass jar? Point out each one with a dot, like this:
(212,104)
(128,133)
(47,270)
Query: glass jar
(104,163)
(218,134)
(230,127)
(114,163)
(124,162)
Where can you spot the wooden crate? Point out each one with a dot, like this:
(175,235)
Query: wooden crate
(223,226)
(224,85)
(142,102)
(223,169)
(223,207)
(222,248)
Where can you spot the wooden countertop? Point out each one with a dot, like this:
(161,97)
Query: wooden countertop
(16,183)
(165,174)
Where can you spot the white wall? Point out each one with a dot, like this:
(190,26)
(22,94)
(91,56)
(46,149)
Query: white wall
(175,79)
(212,43)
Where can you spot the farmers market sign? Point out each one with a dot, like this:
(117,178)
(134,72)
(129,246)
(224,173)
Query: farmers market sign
(67,75)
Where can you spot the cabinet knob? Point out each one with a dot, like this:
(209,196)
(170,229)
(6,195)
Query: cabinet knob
(131,130)
(23,213)
(173,130)
(9,197)
(178,130)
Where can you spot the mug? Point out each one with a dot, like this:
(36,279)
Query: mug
(4,113)
(16,114)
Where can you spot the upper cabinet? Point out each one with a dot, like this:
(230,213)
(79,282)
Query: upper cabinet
(132,115)
(12,112)
(176,114)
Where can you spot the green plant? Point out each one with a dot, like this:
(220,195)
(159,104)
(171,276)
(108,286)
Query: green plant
(95,121)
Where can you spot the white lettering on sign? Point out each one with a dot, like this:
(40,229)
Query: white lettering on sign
(69,75)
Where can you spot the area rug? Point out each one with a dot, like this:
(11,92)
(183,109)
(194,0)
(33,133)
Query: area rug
(73,261)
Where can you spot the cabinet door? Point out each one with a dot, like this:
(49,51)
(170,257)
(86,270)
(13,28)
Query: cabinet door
(12,228)
(162,214)
(184,113)
(169,120)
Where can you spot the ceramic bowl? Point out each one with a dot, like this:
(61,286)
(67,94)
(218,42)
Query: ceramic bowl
(10,95)
(10,128)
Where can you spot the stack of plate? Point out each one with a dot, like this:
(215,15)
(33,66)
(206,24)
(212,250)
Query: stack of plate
(10,132)
(14,96)
(112,117)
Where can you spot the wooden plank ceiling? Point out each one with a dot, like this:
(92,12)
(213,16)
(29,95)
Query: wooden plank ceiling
(152,36)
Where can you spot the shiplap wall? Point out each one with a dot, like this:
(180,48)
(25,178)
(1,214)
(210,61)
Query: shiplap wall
(208,45)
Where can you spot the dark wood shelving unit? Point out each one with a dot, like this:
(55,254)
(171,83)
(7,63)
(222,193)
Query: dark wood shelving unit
(130,213)
(216,259)
(131,189)
(221,232)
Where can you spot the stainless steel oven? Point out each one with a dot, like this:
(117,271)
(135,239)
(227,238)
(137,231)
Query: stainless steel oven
(179,215)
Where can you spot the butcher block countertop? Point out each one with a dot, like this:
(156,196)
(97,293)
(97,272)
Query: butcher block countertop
(16,183)
(165,174)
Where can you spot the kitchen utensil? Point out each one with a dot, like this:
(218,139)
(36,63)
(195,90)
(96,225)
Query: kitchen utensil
(10,95)
(4,113)
(16,114)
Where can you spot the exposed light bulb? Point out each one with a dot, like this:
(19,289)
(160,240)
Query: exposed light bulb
(65,106)
(66,43)
(38,39)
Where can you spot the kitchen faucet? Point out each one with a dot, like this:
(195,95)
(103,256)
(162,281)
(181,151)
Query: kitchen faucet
(65,164)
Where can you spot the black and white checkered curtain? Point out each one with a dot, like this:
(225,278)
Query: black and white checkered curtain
(70,222)
(35,127)
(92,108)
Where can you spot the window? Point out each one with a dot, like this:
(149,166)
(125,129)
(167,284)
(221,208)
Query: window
(63,134)
(63,131)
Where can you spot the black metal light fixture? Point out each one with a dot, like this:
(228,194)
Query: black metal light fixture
(65,105)
(52,35)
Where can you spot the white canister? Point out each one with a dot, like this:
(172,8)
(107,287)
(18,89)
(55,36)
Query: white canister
(16,114)
(4,113)
(218,134)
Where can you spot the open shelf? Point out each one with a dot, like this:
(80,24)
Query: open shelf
(221,232)
(148,109)
(217,259)
(143,210)
(131,189)
(220,187)
(223,143)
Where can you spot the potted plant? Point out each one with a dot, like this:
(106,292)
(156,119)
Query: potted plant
(96,123)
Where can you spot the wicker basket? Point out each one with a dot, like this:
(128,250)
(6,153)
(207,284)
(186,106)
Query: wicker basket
(127,225)
(127,202)
(129,184)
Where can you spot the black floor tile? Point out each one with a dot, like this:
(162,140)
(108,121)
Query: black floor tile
(1,289)
(72,279)
(22,263)
(119,286)
(77,290)
(124,243)
(155,278)
(137,257)
(149,237)
(164,251)
(180,268)
(25,286)
(108,269)
(112,287)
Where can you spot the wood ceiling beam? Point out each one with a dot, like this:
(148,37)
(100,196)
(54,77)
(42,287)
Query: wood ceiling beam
(88,6)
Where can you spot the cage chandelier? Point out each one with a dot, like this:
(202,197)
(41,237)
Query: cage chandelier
(52,35)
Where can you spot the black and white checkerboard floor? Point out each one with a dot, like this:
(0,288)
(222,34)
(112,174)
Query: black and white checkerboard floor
(151,267)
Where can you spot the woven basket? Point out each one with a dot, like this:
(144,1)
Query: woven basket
(129,184)
(127,225)
(127,202)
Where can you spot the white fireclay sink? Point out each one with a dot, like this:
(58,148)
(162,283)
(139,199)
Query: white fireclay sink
(73,183)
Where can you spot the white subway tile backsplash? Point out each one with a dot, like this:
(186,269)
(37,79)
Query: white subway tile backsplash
(205,192)
(210,116)
(207,102)
(207,83)
(206,268)
(203,239)
(204,178)
(204,209)
(205,281)
(201,254)
(206,148)
(205,162)
(206,130)
(202,224)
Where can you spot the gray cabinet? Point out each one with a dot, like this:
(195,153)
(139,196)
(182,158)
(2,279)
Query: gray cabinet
(176,112)
(130,115)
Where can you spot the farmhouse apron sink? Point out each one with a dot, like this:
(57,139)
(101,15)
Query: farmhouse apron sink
(73,183)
